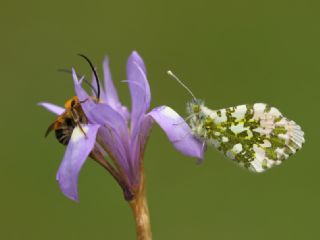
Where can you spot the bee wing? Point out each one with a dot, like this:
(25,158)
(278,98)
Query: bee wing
(256,136)
(50,128)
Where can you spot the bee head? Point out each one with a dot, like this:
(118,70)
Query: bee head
(71,102)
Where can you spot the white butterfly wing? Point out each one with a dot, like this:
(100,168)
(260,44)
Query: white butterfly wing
(256,136)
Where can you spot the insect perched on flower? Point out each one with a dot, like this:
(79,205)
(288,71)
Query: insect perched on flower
(101,128)
(73,116)
(256,136)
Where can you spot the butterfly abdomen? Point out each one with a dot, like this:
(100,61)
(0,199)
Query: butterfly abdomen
(255,136)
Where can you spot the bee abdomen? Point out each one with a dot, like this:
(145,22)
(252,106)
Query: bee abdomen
(64,132)
(63,135)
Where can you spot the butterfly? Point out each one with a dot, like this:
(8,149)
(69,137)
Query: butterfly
(256,136)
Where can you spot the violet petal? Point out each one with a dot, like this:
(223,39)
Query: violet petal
(110,90)
(86,101)
(139,137)
(52,108)
(112,137)
(136,72)
(103,114)
(117,149)
(114,133)
(111,95)
(77,151)
(177,130)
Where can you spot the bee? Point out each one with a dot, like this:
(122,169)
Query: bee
(256,136)
(64,124)
(73,116)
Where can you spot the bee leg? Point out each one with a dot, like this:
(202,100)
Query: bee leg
(79,125)
(83,101)
(76,119)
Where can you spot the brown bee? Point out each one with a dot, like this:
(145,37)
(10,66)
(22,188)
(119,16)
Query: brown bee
(73,116)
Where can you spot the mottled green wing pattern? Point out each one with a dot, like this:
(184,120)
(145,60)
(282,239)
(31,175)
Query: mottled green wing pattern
(256,136)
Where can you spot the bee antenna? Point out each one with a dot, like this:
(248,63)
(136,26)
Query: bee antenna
(181,83)
(94,72)
(64,70)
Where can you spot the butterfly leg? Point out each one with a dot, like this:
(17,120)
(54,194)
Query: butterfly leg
(184,120)
(183,137)
(199,160)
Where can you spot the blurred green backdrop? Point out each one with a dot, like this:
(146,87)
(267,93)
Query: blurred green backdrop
(228,52)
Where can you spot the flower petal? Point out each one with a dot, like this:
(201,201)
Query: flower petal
(111,95)
(114,132)
(178,131)
(116,149)
(136,72)
(110,90)
(103,114)
(139,136)
(86,101)
(52,108)
(77,151)
(113,135)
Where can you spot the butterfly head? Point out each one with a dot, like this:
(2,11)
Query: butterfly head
(194,107)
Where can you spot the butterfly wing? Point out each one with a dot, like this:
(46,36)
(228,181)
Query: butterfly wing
(256,136)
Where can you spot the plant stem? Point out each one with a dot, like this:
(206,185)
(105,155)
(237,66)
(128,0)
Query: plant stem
(140,211)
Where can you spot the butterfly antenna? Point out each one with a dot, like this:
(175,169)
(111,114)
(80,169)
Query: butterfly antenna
(94,72)
(182,84)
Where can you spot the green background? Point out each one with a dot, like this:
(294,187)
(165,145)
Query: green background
(228,52)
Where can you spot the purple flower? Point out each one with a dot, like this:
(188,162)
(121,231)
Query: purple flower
(115,138)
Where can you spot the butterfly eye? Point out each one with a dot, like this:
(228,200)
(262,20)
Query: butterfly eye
(196,108)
